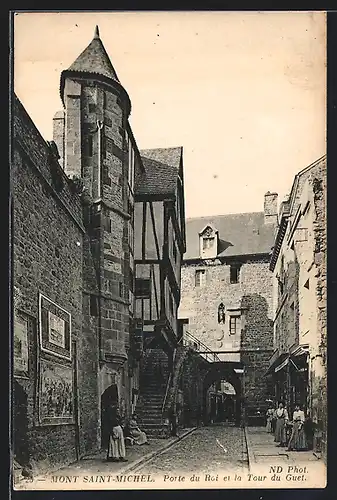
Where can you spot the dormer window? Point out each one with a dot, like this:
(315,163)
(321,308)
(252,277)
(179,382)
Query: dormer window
(208,242)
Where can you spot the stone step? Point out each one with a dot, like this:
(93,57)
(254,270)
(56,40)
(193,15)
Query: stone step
(152,425)
(149,414)
(152,396)
(155,398)
(150,421)
(150,404)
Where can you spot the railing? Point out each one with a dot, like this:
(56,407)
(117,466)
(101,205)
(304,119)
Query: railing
(166,393)
(191,341)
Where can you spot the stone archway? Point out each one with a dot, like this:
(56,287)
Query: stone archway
(109,397)
(219,372)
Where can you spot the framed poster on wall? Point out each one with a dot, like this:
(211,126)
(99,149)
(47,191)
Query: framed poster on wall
(55,393)
(55,328)
(20,346)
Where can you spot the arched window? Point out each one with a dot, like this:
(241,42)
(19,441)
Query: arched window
(221,313)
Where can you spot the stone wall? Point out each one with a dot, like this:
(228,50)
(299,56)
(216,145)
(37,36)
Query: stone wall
(300,293)
(47,258)
(319,369)
(251,299)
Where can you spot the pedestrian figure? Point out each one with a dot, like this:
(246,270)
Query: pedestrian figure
(173,421)
(280,428)
(297,441)
(116,445)
(273,421)
(270,417)
(138,436)
(308,427)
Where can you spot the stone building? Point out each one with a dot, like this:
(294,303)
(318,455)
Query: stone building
(298,262)
(79,337)
(227,298)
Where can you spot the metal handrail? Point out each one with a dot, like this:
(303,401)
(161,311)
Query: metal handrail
(199,344)
(166,394)
(209,355)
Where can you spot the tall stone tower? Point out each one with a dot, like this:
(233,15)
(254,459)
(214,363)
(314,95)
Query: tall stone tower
(91,135)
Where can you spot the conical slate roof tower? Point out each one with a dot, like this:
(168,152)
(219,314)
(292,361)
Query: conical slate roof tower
(94,61)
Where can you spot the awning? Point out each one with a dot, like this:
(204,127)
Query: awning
(282,365)
(275,361)
(300,350)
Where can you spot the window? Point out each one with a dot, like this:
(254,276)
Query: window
(207,243)
(234,273)
(106,178)
(221,313)
(131,167)
(200,275)
(93,305)
(120,289)
(107,121)
(92,108)
(88,144)
(306,284)
(143,288)
(234,323)
(107,224)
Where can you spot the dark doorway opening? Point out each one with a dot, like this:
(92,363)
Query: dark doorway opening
(109,397)
(222,399)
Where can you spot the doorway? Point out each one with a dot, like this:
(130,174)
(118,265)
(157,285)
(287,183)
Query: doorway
(108,398)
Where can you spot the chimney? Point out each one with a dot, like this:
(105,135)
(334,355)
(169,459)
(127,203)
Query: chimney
(270,208)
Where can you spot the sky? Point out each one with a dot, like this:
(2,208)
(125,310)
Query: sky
(244,93)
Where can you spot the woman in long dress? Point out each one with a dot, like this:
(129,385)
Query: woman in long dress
(297,441)
(269,416)
(280,428)
(116,445)
(137,435)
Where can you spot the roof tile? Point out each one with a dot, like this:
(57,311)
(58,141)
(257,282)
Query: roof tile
(239,234)
(158,178)
(94,59)
(169,156)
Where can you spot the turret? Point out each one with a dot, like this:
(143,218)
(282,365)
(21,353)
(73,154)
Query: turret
(97,108)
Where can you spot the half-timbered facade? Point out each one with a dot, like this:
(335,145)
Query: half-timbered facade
(159,246)
(159,243)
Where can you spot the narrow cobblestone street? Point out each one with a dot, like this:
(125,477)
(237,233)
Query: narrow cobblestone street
(201,453)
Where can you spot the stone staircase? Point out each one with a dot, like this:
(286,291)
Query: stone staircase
(153,383)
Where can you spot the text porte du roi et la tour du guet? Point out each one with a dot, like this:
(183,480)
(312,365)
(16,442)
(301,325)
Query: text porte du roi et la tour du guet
(291,473)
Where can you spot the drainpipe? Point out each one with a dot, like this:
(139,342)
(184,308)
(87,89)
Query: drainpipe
(99,191)
(99,178)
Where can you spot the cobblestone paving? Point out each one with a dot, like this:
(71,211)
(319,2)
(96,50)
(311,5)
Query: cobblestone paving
(200,453)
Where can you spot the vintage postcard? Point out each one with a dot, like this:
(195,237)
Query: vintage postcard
(168,223)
